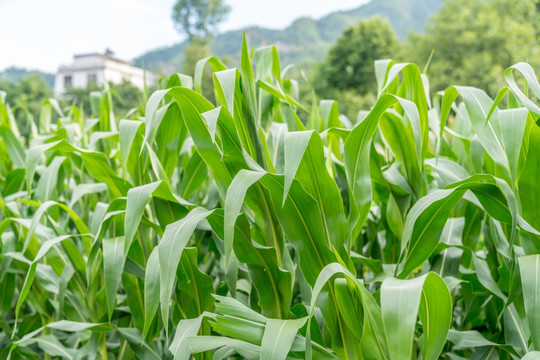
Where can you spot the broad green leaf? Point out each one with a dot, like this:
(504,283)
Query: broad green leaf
(214,62)
(516,330)
(205,343)
(113,266)
(278,338)
(196,288)
(527,183)
(426,219)
(85,189)
(185,330)
(468,339)
(137,345)
(528,73)
(194,175)
(402,301)
(356,159)
(151,289)
(304,160)
(233,204)
(173,242)
(14,147)
(30,275)
(533,355)
(137,198)
(273,284)
(529,268)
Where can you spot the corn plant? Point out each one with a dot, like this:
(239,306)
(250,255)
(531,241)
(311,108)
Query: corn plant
(259,227)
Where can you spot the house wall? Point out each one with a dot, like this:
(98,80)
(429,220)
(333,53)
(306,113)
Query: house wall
(116,72)
(105,70)
(79,78)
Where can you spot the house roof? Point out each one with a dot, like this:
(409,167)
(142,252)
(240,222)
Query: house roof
(109,55)
(80,61)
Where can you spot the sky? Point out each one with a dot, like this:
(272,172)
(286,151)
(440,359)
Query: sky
(42,35)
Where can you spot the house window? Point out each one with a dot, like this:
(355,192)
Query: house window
(68,81)
(92,78)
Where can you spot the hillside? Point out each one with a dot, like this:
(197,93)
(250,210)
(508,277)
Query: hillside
(306,40)
(15,74)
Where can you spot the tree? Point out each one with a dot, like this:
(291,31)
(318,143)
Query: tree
(474,41)
(198,18)
(349,64)
(197,49)
(347,74)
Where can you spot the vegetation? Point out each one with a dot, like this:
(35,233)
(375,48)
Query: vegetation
(127,98)
(456,49)
(15,74)
(25,96)
(260,228)
(199,18)
(349,65)
(347,72)
(471,42)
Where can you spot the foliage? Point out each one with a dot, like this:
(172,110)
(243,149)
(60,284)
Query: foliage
(266,228)
(474,41)
(15,74)
(128,97)
(347,72)
(349,64)
(26,97)
(199,18)
(195,51)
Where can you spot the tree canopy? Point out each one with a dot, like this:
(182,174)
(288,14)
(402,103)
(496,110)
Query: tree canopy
(349,64)
(198,18)
(474,41)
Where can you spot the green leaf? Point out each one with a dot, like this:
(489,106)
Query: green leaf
(186,328)
(527,183)
(14,147)
(278,338)
(113,266)
(529,268)
(528,73)
(151,289)
(356,158)
(402,300)
(468,339)
(304,160)
(533,355)
(45,247)
(194,175)
(233,204)
(425,221)
(137,198)
(173,242)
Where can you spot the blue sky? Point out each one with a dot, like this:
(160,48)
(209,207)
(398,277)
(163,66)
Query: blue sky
(42,34)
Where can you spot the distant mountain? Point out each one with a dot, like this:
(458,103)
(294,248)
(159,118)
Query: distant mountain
(306,40)
(14,74)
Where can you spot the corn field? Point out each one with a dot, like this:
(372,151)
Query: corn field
(260,227)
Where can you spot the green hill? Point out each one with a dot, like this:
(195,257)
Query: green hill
(306,40)
(14,75)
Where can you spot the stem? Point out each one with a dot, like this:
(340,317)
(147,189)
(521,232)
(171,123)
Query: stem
(103,348)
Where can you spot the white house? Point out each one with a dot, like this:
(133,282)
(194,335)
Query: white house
(99,68)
